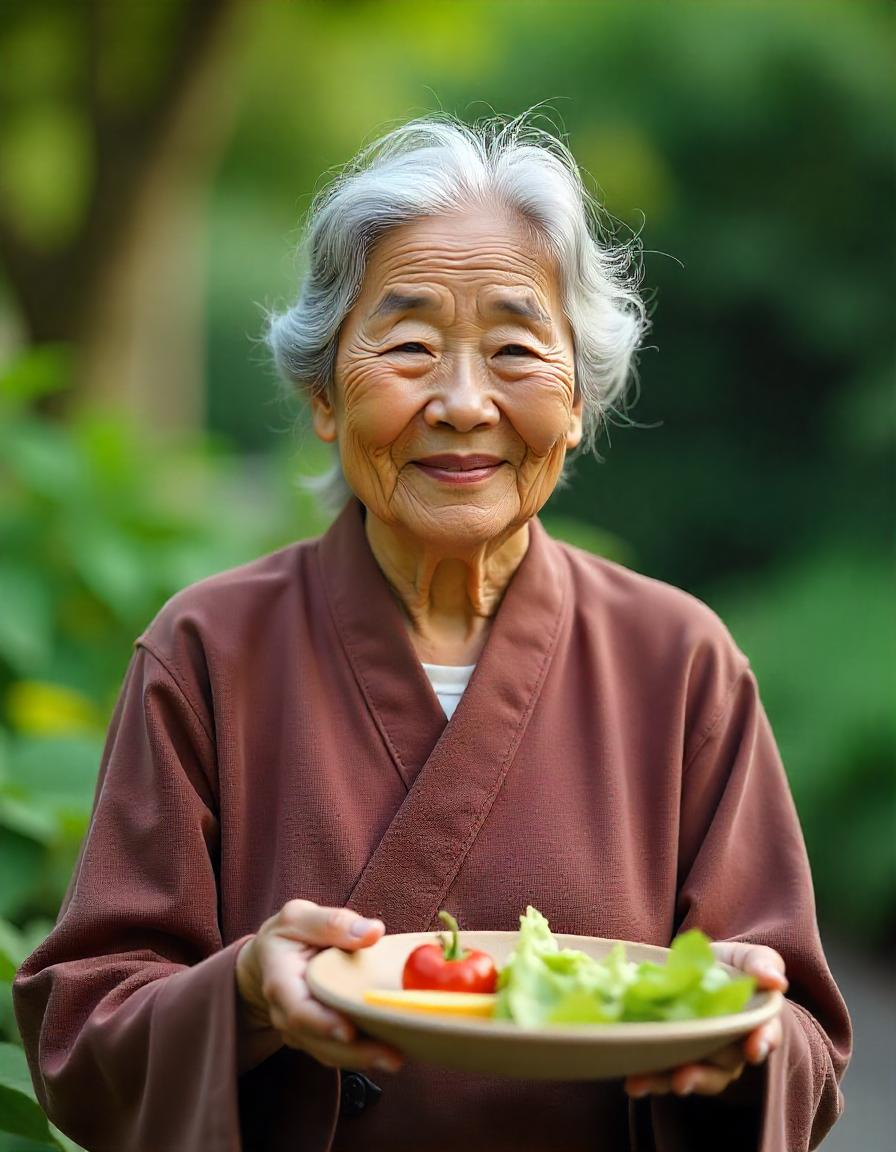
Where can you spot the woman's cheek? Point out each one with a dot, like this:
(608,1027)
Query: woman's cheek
(542,423)
(375,408)
(369,466)
(537,478)
(541,412)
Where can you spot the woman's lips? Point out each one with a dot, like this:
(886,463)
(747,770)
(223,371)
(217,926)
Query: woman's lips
(459,469)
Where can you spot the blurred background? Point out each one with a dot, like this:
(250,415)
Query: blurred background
(156,160)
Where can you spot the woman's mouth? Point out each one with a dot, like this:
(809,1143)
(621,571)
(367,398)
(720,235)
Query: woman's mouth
(448,468)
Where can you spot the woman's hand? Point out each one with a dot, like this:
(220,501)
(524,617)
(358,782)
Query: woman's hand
(723,1067)
(270,977)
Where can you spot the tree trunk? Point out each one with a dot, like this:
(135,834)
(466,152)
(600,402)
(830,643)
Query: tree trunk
(140,340)
(127,290)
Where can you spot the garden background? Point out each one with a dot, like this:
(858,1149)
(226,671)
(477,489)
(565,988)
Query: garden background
(155,163)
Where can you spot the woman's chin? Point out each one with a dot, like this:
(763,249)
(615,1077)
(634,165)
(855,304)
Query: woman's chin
(458,526)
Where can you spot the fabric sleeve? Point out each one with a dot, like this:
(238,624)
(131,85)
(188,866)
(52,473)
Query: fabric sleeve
(744,875)
(128,1010)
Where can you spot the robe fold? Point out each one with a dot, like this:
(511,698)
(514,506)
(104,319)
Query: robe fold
(276,737)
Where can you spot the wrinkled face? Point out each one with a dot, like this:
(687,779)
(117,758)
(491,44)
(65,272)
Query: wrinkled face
(454,393)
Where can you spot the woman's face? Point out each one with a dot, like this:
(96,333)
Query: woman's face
(454,392)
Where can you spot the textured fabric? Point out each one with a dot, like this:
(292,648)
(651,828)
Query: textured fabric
(276,736)
(449,683)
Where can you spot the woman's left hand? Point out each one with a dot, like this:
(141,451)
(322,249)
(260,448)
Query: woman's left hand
(715,1073)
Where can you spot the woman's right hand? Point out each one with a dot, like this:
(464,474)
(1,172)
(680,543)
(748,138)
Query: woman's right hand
(270,977)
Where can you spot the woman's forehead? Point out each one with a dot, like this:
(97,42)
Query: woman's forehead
(488,258)
(478,235)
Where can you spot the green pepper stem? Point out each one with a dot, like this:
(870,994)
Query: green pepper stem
(451,944)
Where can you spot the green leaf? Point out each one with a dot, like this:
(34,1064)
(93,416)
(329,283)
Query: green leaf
(18,943)
(20,860)
(26,621)
(730,997)
(36,820)
(58,771)
(9,1030)
(45,461)
(655,983)
(34,933)
(691,950)
(64,1142)
(581,1007)
(543,984)
(20,1112)
(112,565)
(12,951)
(38,372)
(589,538)
(7,967)
(10,1143)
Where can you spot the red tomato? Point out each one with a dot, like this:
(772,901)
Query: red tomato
(446,967)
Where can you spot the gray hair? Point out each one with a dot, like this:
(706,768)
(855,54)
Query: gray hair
(435,165)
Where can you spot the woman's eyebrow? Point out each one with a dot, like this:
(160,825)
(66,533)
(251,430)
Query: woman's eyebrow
(394,302)
(526,309)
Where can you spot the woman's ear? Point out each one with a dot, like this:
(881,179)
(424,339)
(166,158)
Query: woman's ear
(323,418)
(574,434)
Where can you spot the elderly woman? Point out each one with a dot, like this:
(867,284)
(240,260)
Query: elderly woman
(434,705)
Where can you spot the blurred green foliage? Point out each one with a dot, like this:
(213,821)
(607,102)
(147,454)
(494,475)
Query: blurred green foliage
(821,635)
(99,525)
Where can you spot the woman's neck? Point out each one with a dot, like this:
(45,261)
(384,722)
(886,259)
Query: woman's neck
(448,598)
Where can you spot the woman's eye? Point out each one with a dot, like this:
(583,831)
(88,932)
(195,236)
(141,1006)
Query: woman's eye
(515,350)
(410,346)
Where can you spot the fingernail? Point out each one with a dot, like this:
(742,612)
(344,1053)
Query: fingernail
(775,975)
(761,1051)
(341,1033)
(361,927)
(687,1089)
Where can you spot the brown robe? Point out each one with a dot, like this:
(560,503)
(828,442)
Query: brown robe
(276,737)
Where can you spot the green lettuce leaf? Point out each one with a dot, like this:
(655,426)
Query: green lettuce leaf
(543,984)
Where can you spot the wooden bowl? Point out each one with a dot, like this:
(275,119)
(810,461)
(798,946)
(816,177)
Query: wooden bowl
(500,1047)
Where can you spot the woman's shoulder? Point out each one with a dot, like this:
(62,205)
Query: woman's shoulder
(647,615)
(224,611)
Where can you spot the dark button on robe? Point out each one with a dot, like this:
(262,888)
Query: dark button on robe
(276,737)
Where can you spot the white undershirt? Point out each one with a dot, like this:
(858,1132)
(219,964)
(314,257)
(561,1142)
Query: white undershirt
(448,682)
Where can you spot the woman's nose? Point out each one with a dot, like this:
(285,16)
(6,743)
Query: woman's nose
(464,398)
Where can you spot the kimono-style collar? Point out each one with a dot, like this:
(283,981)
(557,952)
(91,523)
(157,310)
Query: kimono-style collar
(386,666)
(453,771)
